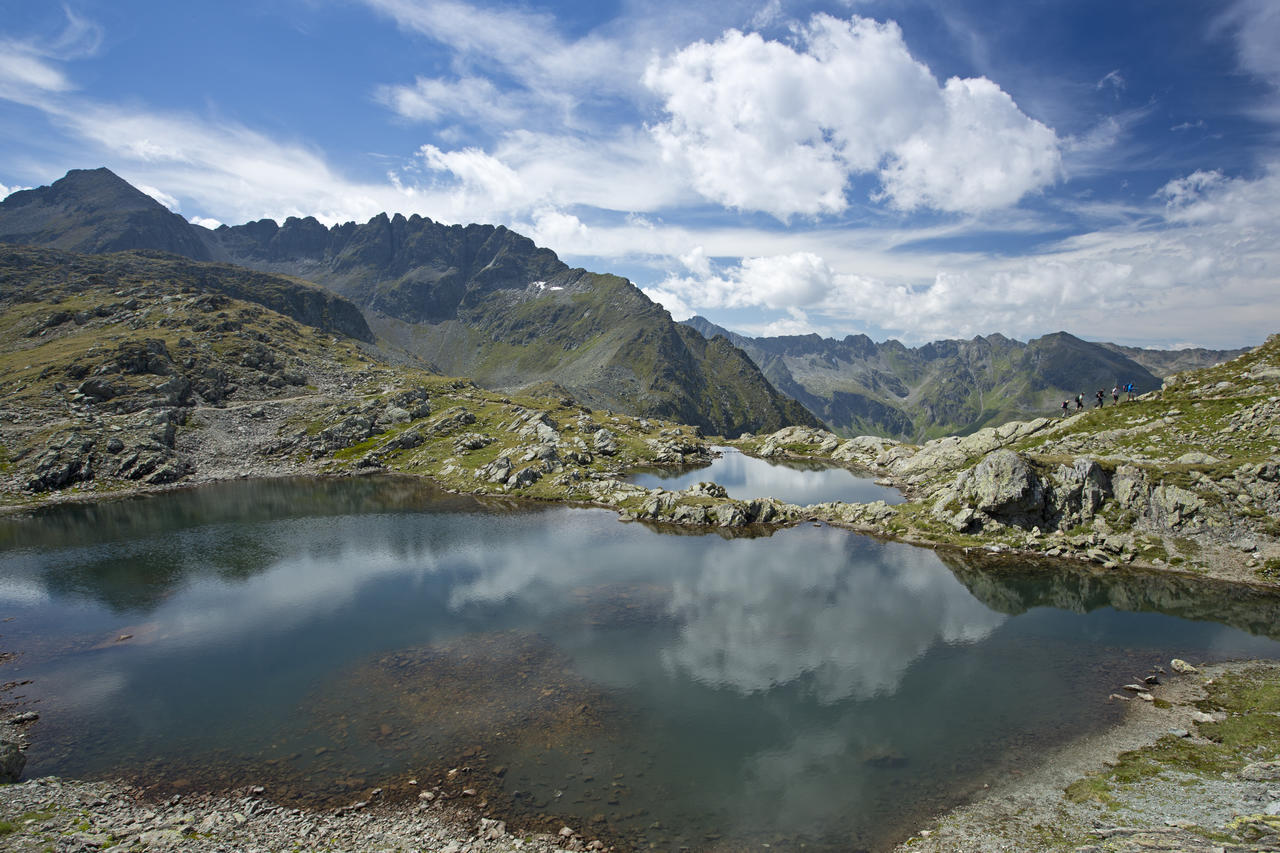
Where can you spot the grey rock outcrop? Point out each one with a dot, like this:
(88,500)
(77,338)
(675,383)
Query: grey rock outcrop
(12,760)
(1002,485)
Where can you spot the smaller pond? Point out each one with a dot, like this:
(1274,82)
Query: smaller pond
(801,483)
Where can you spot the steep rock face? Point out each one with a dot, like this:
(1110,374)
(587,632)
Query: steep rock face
(857,386)
(413,269)
(477,300)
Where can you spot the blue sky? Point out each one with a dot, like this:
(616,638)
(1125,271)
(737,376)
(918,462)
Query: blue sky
(902,169)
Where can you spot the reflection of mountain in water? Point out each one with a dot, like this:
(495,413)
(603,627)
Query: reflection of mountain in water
(841,610)
(132,554)
(1014,589)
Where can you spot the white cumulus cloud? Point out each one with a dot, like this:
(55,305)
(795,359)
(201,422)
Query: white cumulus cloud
(762,125)
(1205,273)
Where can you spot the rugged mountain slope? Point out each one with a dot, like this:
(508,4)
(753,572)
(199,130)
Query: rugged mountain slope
(479,301)
(860,387)
(136,370)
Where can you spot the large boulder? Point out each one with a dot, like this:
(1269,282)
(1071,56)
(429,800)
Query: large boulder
(1003,485)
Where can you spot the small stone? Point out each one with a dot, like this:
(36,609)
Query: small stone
(566,832)
(1181,667)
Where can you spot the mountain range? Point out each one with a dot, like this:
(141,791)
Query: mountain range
(479,301)
(484,302)
(860,387)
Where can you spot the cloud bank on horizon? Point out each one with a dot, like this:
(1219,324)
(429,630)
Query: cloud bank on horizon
(898,168)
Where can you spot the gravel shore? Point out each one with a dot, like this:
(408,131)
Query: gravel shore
(1179,808)
(63,815)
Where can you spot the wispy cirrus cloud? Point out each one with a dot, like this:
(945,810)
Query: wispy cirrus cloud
(28,66)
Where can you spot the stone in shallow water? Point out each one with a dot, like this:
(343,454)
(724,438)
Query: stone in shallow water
(12,761)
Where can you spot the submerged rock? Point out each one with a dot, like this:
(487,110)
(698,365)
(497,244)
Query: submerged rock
(12,760)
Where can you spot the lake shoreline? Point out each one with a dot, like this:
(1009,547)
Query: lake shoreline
(1034,811)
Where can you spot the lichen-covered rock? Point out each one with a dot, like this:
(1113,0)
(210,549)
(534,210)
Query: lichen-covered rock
(350,430)
(730,515)
(525,477)
(471,441)
(1003,485)
(706,490)
(497,471)
(691,514)
(1173,506)
(406,440)
(396,415)
(451,420)
(865,450)
(819,440)
(1079,490)
(604,442)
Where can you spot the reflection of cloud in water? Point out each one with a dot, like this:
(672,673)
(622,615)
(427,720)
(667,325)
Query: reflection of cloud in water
(25,591)
(746,477)
(848,613)
(795,779)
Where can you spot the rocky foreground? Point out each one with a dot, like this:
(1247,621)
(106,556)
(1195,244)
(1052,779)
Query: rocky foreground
(51,814)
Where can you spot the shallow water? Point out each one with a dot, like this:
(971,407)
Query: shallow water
(802,483)
(326,638)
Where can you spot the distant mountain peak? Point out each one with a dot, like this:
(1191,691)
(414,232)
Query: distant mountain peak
(95,211)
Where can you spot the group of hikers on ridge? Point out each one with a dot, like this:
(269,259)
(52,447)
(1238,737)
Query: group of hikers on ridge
(1128,390)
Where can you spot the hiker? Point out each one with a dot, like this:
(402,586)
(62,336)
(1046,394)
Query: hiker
(1064,407)
(1080,401)
(1131,391)
(1100,395)
(1115,394)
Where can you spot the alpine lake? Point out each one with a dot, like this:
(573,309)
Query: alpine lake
(554,666)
